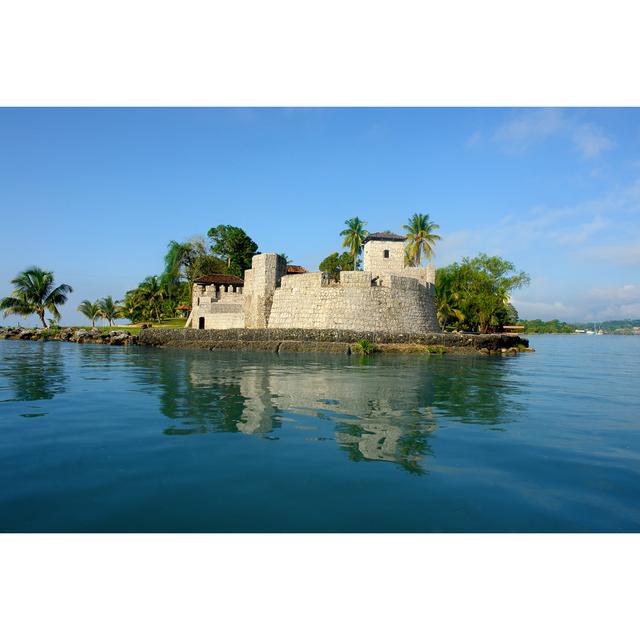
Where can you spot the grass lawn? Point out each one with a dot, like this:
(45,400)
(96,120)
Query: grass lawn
(134,329)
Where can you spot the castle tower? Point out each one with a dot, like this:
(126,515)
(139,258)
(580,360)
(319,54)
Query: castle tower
(260,282)
(383,253)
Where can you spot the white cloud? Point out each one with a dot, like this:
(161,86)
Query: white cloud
(531,310)
(525,128)
(628,293)
(613,303)
(602,233)
(528,127)
(584,305)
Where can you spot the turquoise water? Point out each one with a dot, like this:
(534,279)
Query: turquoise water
(100,438)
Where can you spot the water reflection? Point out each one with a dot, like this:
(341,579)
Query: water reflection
(479,392)
(382,409)
(32,371)
(376,409)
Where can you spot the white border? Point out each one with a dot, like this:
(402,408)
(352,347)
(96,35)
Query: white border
(321,53)
(319,587)
(318,53)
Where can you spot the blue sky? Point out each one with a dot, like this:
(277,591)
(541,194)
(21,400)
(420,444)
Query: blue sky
(96,194)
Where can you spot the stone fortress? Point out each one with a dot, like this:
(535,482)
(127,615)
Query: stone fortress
(386,296)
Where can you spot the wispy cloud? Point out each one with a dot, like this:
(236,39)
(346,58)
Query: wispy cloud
(591,141)
(613,302)
(577,235)
(584,304)
(574,243)
(527,128)
(626,254)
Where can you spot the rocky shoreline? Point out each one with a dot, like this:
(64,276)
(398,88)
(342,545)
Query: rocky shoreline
(284,340)
(94,336)
(332,341)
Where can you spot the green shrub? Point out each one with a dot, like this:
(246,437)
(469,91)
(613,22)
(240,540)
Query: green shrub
(436,350)
(364,347)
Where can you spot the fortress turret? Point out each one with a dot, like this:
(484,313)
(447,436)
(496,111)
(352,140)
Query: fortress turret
(383,253)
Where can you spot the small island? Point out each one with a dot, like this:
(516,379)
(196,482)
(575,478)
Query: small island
(247,300)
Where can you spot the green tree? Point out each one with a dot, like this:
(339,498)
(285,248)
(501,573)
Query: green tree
(354,236)
(337,262)
(205,265)
(474,295)
(420,238)
(35,292)
(547,326)
(129,307)
(234,246)
(91,310)
(151,292)
(108,309)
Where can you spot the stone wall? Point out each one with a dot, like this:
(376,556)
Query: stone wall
(260,282)
(394,301)
(244,338)
(220,306)
(356,303)
(220,315)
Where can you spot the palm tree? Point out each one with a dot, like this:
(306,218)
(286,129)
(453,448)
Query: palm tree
(91,310)
(153,293)
(35,293)
(420,238)
(354,236)
(108,309)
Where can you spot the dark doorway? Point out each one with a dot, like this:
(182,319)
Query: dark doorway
(201,323)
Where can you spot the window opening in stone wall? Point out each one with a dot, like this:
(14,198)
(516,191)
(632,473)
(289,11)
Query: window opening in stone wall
(386,253)
(200,322)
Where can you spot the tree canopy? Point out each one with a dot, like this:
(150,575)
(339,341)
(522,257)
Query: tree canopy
(473,295)
(420,238)
(234,246)
(354,236)
(35,292)
(337,262)
(90,310)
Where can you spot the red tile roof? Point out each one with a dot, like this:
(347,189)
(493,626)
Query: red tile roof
(294,268)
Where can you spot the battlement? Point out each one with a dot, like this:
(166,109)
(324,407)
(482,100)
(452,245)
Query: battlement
(394,299)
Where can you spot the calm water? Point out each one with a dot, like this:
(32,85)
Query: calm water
(99,438)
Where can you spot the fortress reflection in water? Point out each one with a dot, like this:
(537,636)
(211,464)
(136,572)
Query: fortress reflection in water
(376,408)
(384,408)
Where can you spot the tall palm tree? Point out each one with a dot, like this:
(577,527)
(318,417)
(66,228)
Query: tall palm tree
(91,310)
(420,238)
(35,292)
(354,236)
(108,309)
